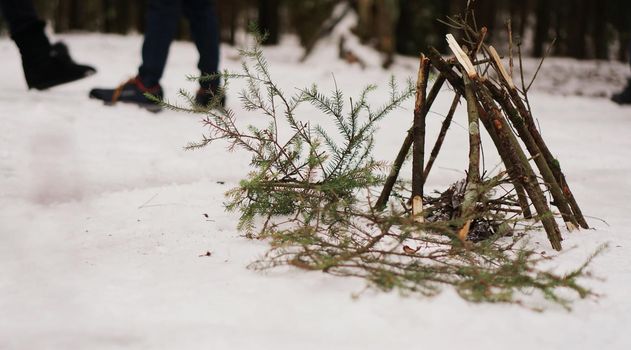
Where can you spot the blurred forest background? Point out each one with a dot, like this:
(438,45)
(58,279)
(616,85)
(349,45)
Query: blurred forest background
(583,29)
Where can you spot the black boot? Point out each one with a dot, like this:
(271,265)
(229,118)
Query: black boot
(623,97)
(132,91)
(47,65)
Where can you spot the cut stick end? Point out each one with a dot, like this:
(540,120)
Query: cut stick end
(570,226)
(417,209)
(500,67)
(464,231)
(461,56)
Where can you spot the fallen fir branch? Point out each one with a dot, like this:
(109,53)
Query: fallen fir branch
(391,251)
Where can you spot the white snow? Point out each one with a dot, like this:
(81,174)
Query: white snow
(102,225)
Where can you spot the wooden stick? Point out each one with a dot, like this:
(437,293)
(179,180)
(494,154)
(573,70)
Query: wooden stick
(418,132)
(417,209)
(522,197)
(481,38)
(456,82)
(553,164)
(382,201)
(557,194)
(461,56)
(500,67)
(453,61)
(441,136)
(492,118)
(473,175)
(509,142)
(509,25)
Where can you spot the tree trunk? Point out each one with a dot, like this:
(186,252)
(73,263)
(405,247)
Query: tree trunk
(386,24)
(542,27)
(485,14)
(599,35)
(365,25)
(269,20)
(577,30)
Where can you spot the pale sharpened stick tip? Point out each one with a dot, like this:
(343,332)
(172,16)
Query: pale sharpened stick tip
(461,56)
(498,61)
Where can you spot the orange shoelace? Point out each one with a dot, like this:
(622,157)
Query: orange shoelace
(135,81)
(117,92)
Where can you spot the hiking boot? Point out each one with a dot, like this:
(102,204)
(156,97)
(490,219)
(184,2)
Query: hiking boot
(58,69)
(623,97)
(47,65)
(133,91)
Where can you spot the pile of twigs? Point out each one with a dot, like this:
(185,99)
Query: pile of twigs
(477,74)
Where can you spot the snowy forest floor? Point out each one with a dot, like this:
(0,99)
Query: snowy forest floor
(102,220)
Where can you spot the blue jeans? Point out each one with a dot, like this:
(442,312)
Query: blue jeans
(160,30)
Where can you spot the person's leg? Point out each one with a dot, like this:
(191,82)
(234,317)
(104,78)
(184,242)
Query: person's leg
(161,25)
(204,24)
(160,29)
(20,15)
(44,65)
(26,29)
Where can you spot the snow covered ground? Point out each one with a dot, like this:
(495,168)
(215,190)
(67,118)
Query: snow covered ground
(102,221)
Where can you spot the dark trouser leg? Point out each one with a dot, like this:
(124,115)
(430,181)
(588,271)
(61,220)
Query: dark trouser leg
(20,14)
(44,65)
(162,20)
(205,31)
(27,30)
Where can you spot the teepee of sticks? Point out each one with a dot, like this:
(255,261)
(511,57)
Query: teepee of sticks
(477,75)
